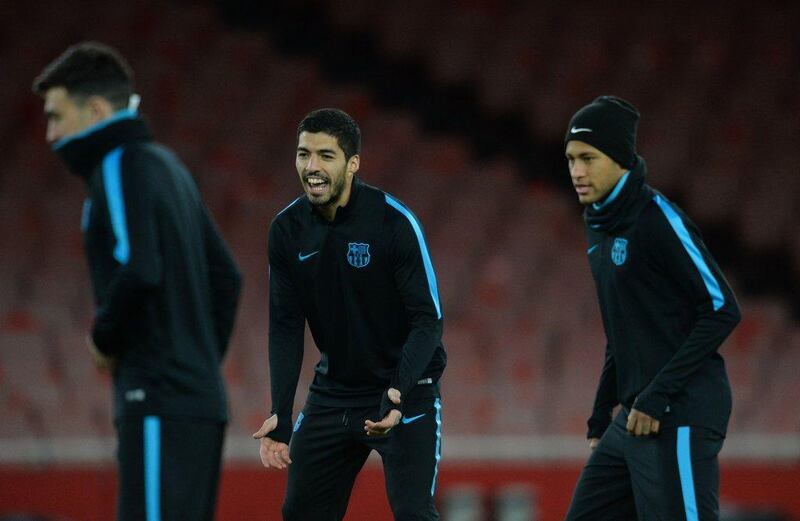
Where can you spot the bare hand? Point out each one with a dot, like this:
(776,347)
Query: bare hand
(593,442)
(640,424)
(274,454)
(383,427)
(103,363)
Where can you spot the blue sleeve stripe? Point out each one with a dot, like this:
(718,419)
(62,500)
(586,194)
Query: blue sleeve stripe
(438,405)
(426,258)
(87,209)
(685,471)
(152,467)
(299,422)
(289,206)
(712,285)
(112,179)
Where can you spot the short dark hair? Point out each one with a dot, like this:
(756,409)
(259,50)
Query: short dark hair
(89,69)
(336,123)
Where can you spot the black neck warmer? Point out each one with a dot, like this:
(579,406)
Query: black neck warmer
(621,207)
(85,151)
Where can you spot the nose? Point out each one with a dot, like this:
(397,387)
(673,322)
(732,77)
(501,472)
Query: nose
(313,163)
(53,133)
(576,171)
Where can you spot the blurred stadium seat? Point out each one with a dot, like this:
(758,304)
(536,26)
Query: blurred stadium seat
(719,89)
(522,325)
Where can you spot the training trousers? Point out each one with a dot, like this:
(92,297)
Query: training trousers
(168,468)
(672,476)
(329,447)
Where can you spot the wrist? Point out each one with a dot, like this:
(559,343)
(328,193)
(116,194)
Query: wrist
(652,404)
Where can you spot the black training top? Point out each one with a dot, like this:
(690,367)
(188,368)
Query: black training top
(366,285)
(166,288)
(666,309)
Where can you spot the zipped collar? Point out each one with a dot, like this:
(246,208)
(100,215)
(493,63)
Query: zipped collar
(82,152)
(117,116)
(343,211)
(622,206)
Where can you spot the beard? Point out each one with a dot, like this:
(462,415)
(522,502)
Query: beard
(334,193)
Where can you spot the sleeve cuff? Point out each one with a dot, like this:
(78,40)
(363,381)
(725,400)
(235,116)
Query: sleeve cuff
(387,405)
(103,339)
(652,404)
(283,432)
(598,424)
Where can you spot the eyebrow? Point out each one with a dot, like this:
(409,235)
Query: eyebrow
(320,151)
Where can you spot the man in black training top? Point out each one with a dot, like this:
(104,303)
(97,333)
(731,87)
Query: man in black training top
(166,289)
(353,262)
(666,309)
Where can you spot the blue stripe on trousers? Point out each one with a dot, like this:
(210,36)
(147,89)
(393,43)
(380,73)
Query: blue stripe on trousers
(152,467)
(438,405)
(685,471)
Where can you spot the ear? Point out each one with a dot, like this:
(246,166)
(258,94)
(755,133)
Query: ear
(99,108)
(353,164)
(621,169)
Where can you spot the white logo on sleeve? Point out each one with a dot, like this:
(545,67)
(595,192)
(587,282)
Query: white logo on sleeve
(135,395)
(575,130)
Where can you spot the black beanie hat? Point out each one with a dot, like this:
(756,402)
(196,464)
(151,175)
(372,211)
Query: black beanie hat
(608,124)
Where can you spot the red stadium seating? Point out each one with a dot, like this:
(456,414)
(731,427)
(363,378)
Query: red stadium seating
(522,325)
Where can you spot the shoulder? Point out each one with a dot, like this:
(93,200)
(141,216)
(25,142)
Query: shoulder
(370,199)
(280,230)
(655,210)
(403,225)
(660,212)
(289,213)
(398,213)
(375,203)
(146,162)
(665,225)
(148,154)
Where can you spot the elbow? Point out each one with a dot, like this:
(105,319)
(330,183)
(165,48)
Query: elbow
(237,283)
(735,313)
(227,283)
(737,316)
(431,327)
(150,281)
(233,275)
(731,315)
(142,280)
(238,279)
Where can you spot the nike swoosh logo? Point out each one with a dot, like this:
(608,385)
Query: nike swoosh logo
(412,419)
(575,130)
(590,250)
(302,257)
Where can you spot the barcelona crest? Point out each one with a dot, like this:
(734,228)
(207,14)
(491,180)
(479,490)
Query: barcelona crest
(619,251)
(358,254)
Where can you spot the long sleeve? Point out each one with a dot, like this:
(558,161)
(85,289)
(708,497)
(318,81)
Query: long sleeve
(682,254)
(416,283)
(286,327)
(131,205)
(605,398)
(225,281)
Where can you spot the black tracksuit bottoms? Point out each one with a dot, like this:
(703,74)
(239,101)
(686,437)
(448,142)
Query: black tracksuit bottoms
(329,447)
(168,468)
(673,476)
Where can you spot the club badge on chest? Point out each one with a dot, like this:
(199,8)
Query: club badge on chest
(619,251)
(358,254)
